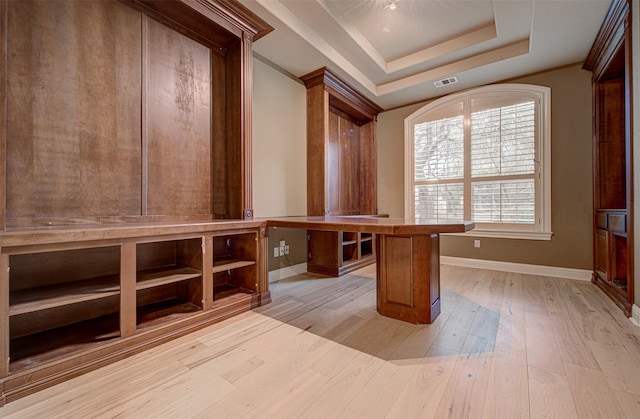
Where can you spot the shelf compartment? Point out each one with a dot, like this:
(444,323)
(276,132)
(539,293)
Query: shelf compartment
(350,252)
(43,298)
(38,348)
(365,237)
(235,269)
(165,311)
(618,263)
(169,281)
(349,237)
(227,291)
(366,245)
(54,289)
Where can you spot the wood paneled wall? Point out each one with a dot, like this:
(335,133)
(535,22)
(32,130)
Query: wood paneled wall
(73,118)
(114,116)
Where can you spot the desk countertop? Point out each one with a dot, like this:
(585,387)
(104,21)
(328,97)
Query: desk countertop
(393,226)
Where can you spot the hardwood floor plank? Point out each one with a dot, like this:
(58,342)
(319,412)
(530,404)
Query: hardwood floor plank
(630,403)
(466,390)
(618,366)
(550,395)
(591,393)
(542,347)
(508,387)
(507,390)
(423,391)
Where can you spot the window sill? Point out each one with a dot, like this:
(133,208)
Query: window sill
(519,235)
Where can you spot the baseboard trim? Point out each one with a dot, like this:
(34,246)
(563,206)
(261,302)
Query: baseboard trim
(286,272)
(635,315)
(521,268)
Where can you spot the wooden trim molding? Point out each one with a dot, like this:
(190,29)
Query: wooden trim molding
(340,88)
(635,315)
(522,268)
(609,38)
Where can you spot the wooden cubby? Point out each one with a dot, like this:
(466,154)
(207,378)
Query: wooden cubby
(341,169)
(234,266)
(61,301)
(351,251)
(168,280)
(610,62)
(126,135)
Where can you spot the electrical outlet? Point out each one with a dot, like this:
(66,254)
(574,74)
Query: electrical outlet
(476,243)
(276,252)
(283,244)
(286,249)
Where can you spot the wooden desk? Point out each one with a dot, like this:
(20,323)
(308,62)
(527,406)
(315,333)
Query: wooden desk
(407,258)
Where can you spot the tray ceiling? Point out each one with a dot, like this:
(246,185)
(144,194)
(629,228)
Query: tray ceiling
(394,55)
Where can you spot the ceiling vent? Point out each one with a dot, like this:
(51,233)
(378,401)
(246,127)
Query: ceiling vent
(446,82)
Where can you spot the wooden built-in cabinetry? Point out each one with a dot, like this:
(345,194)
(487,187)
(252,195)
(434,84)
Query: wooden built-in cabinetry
(126,216)
(610,62)
(341,170)
(336,253)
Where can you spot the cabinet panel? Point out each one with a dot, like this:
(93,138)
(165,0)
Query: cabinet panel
(344,167)
(177,123)
(610,151)
(618,222)
(73,111)
(324,248)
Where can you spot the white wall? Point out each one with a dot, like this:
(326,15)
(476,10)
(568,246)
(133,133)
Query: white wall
(279,143)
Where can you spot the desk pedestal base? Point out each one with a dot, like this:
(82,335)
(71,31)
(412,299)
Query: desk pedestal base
(408,277)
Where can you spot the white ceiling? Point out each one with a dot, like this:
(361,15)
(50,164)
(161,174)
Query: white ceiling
(394,56)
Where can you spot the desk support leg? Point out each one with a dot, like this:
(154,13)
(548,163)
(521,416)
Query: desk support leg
(408,277)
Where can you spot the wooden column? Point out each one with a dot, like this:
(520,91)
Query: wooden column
(207,272)
(246,120)
(127,289)
(4,320)
(408,277)
(3,111)
(263,266)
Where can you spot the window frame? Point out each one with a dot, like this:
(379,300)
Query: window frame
(542,96)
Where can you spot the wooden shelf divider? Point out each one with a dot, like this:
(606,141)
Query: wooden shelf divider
(226,264)
(42,298)
(158,277)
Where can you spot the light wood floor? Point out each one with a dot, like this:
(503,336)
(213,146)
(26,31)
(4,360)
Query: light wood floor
(505,346)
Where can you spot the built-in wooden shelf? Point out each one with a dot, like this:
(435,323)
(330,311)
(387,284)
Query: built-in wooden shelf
(162,312)
(43,298)
(612,98)
(163,276)
(95,271)
(226,264)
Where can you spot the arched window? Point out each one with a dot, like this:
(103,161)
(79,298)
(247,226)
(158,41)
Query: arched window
(483,155)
